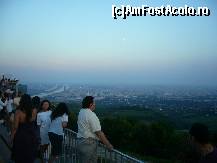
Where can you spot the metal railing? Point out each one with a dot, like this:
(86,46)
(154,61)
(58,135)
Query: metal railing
(70,155)
(104,155)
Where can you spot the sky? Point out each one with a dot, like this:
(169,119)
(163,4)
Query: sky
(77,41)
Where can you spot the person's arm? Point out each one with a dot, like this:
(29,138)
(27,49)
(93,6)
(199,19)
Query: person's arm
(64,124)
(96,128)
(6,102)
(15,102)
(3,103)
(64,120)
(34,114)
(103,139)
(38,119)
(16,124)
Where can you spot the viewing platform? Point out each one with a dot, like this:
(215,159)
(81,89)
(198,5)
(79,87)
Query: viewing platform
(69,153)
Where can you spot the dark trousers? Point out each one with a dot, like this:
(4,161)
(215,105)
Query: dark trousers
(56,143)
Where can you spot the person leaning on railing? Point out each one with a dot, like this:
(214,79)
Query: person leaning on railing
(43,122)
(89,132)
(59,120)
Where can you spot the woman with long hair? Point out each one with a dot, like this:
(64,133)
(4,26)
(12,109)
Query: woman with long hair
(36,103)
(24,137)
(59,120)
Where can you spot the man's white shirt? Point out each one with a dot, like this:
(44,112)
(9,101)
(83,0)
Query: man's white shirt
(88,124)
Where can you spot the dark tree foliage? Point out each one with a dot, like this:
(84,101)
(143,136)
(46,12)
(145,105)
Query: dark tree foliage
(156,139)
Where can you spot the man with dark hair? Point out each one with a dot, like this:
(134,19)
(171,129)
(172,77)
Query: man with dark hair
(200,138)
(87,101)
(89,132)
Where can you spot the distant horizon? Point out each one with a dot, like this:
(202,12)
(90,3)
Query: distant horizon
(117,84)
(79,42)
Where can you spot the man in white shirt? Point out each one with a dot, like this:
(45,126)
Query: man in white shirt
(89,132)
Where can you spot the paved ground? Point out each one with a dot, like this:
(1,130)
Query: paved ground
(5,152)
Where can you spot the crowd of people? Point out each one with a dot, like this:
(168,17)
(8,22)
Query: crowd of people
(7,83)
(34,124)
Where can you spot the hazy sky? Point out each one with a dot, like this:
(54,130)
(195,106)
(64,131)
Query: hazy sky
(80,42)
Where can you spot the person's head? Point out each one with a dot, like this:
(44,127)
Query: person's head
(26,106)
(36,102)
(59,111)
(88,102)
(45,105)
(199,133)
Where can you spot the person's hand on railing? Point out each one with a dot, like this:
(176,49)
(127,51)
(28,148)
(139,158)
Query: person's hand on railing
(110,147)
(104,140)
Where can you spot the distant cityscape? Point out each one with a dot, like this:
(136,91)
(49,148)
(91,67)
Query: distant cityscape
(163,98)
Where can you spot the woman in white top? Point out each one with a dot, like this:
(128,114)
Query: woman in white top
(59,119)
(44,121)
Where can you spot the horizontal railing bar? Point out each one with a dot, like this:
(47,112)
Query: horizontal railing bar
(114,150)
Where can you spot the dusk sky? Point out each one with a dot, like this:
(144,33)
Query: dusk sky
(79,42)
